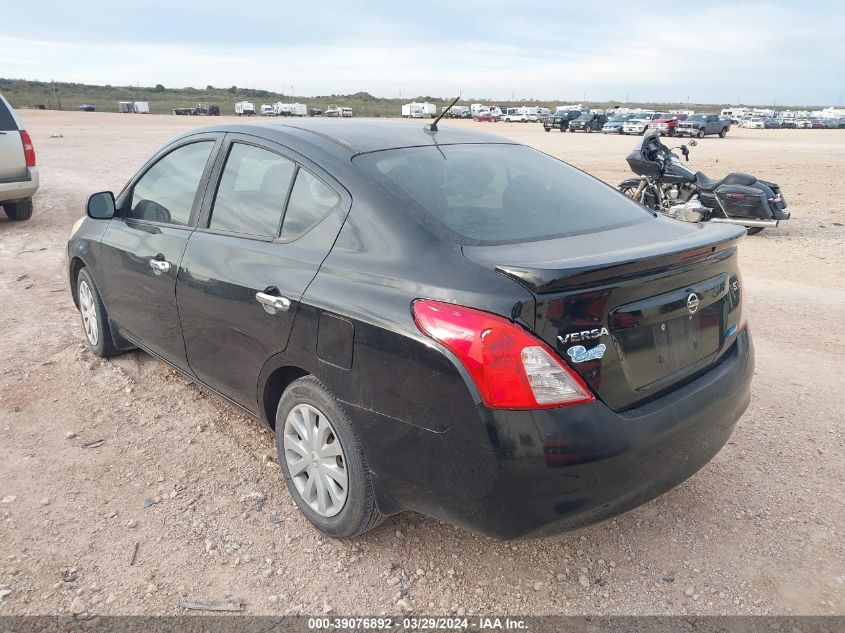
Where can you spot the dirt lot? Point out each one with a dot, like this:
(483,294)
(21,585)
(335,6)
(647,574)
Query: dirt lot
(759,530)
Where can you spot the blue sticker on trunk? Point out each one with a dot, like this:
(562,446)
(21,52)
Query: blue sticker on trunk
(580,354)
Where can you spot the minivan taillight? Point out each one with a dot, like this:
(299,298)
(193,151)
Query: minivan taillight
(511,368)
(28,149)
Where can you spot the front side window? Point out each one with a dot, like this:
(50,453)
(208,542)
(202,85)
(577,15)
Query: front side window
(310,201)
(251,196)
(166,192)
(496,194)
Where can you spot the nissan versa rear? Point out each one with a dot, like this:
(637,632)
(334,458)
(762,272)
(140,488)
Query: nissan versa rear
(439,321)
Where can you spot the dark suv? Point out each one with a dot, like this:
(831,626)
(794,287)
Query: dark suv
(587,122)
(438,321)
(560,120)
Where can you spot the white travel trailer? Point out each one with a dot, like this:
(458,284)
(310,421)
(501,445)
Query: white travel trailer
(282,109)
(125,106)
(345,112)
(244,108)
(411,111)
(475,108)
(141,107)
(419,110)
(298,109)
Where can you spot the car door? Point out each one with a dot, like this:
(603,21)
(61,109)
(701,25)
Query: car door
(712,125)
(263,234)
(141,250)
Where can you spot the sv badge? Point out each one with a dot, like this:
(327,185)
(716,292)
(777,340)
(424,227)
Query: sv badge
(580,354)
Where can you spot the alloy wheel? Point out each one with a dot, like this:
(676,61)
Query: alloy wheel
(89,313)
(315,460)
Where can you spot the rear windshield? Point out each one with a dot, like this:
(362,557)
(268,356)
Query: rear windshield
(498,194)
(7,121)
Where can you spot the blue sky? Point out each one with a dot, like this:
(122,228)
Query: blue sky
(788,52)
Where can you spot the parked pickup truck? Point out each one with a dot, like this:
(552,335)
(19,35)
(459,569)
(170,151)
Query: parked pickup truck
(700,125)
(667,123)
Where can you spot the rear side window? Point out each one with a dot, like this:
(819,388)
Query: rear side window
(7,121)
(498,194)
(166,192)
(252,192)
(310,202)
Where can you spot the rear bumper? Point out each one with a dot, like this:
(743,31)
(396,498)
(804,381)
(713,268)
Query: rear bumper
(532,473)
(11,190)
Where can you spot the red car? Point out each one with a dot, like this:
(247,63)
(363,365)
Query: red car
(486,117)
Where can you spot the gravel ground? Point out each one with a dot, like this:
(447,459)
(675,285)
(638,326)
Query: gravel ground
(183,498)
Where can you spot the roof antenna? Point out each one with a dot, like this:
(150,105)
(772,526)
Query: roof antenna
(433,126)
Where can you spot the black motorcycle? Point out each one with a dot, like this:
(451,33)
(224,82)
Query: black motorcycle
(668,186)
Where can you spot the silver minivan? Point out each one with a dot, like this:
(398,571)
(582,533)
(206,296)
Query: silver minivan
(18,170)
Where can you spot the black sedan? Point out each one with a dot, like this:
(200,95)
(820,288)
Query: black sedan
(439,321)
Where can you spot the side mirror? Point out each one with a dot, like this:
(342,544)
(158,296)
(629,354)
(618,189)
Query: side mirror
(693,143)
(101,206)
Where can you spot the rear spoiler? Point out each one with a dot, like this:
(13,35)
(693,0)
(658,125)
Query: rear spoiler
(602,268)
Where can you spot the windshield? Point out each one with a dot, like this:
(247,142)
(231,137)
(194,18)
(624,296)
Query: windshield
(497,194)
(585,117)
(616,119)
(697,117)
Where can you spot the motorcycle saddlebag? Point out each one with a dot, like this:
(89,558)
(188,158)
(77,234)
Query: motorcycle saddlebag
(738,201)
(779,203)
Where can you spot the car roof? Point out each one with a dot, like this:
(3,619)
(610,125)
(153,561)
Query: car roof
(351,137)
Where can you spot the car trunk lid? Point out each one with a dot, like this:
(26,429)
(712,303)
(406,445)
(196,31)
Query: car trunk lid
(636,311)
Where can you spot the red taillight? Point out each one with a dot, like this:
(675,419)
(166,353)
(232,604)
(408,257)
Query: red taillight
(511,368)
(28,149)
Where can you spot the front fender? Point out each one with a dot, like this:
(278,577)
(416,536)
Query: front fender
(629,182)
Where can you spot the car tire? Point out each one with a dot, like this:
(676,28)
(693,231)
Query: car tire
(95,320)
(700,133)
(723,133)
(588,130)
(18,211)
(352,510)
(547,129)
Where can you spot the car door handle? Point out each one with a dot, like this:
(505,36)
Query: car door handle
(272,303)
(159,266)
